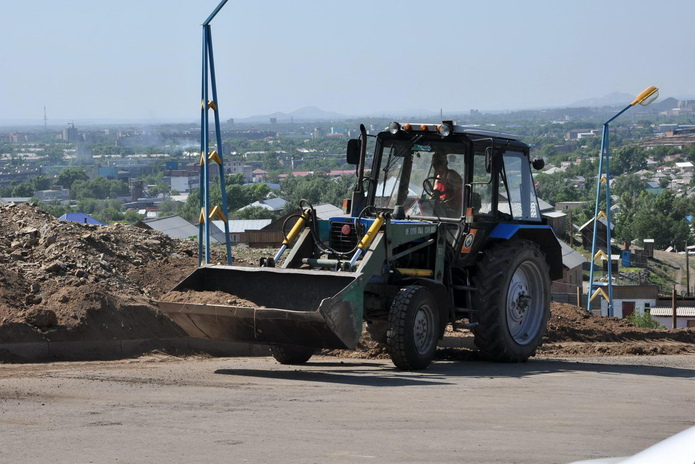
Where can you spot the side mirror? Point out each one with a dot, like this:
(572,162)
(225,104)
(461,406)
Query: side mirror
(538,164)
(353,151)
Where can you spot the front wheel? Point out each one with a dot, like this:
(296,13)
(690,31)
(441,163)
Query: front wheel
(291,354)
(512,301)
(411,337)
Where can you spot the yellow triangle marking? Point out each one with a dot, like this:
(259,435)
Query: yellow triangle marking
(599,291)
(217,213)
(214,156)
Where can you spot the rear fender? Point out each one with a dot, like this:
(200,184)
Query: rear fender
(542,235)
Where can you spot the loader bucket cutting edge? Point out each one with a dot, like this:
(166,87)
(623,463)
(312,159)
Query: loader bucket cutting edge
(287,306)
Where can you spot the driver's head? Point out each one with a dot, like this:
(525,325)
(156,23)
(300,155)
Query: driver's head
(439,161)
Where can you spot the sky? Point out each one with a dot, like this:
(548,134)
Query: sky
(141,59)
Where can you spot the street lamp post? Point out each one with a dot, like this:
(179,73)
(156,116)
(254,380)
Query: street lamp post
(647,96)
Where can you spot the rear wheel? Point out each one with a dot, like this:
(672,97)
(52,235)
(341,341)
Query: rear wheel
(291,354)
(411,337)
(512,301)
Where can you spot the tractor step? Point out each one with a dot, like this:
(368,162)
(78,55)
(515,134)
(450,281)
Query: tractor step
(464,288)
(464,325)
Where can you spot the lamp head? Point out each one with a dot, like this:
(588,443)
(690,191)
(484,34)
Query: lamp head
(647,96)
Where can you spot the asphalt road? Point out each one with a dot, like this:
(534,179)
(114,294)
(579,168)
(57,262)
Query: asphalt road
(161,409)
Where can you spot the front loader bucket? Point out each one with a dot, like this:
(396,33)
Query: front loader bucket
(269,305)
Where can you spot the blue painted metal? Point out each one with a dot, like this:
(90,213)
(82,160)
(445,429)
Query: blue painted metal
(209,83)
(603,159)
(203,257)
(214,12)
(507,231)
(218,132)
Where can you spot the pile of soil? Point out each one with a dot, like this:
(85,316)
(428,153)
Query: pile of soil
(574,331)
(208,297)
(64,281)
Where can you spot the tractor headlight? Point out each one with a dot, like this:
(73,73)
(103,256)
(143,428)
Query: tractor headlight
(445,129)
(394,128)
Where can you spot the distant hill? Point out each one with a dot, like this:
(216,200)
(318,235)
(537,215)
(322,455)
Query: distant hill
(664,105)
(612,99)
(307,113)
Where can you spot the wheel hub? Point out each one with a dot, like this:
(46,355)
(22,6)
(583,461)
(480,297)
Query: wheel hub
(422,329)
(523,311)
(519,301)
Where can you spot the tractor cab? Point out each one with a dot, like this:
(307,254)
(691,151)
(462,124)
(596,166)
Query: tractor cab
(451,173)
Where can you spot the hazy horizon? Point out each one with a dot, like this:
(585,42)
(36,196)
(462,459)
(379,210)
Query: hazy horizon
(140,61)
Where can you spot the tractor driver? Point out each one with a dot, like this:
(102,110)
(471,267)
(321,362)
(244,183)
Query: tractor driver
(448,184)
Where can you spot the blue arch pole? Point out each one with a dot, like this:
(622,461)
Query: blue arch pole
(203,227)
(209,83)
(218,132)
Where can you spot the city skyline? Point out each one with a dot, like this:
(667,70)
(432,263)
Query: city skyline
(141,60)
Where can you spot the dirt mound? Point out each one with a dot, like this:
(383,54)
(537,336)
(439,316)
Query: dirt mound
(569,323)
(70,281)
(573,331)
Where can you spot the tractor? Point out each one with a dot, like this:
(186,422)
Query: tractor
(443,227)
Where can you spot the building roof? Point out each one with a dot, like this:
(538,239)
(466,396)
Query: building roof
(16,200)
(602,220)
(82,218)
(326,211)
(242,225)
(178,227)
(272,204)
(685,311)
(553,214)
(570,257)
(544,205)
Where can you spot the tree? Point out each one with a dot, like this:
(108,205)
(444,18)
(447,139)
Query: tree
(40,183)
(630,184)
(628,160)
(54,153)
(99,187)
(23,190)
(168,207)
(68,176)
(131,217)
(254,212)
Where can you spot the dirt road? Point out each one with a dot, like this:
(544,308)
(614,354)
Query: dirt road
(163,409)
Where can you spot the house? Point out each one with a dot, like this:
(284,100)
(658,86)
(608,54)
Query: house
(685,315)
(82,218)
(568,205)
(273,234)
(685,166)
(259,175)
(57,193)
(587,232)
(15,200)
(631,299)
(572,275)
(239,229)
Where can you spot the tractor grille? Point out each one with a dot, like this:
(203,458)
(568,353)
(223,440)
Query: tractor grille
(341,242)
